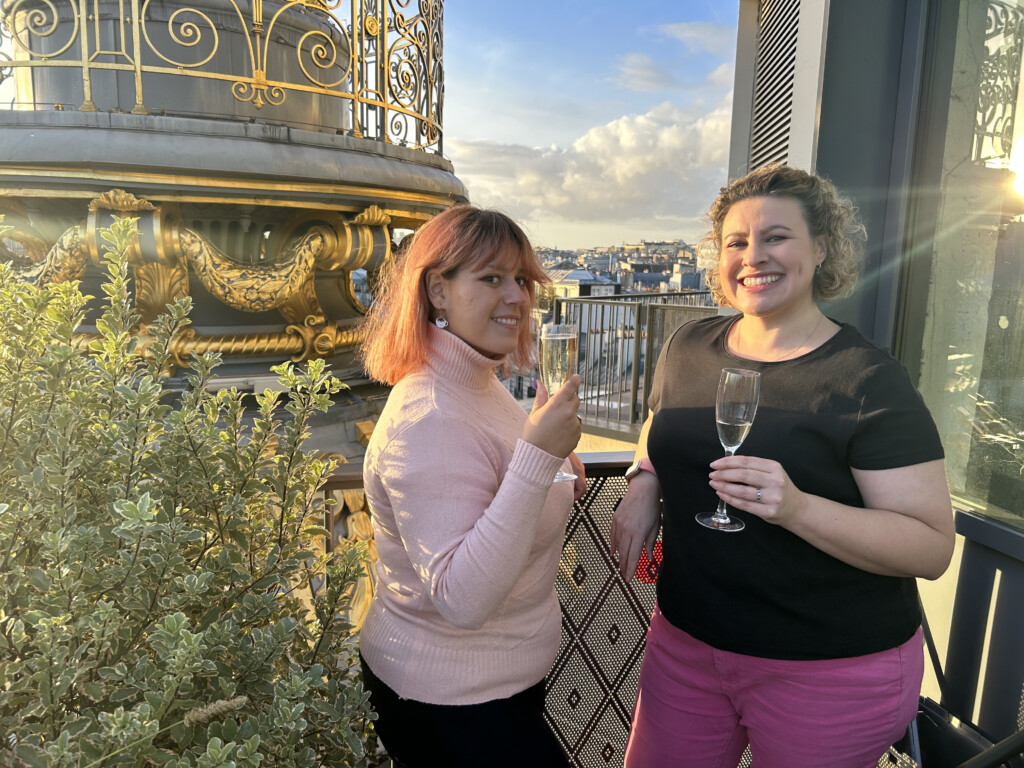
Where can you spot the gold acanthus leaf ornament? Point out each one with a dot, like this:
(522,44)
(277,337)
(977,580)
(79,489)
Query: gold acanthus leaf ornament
(156,286)
(119,200)
(356,527)
(373,216)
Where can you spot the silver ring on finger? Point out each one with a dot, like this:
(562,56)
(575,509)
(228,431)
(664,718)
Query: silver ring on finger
(758,495)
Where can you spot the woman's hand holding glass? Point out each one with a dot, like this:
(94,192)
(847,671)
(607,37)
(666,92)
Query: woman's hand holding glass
(758,486)
(553,425)
(738,395)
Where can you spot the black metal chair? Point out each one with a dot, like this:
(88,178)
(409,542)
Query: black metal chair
(939,738)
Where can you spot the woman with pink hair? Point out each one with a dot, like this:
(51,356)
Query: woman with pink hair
(467,520)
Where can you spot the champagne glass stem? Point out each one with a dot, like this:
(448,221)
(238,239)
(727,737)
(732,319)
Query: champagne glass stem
(721,516)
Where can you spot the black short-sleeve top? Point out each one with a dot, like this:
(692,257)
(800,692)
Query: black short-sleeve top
(765,591)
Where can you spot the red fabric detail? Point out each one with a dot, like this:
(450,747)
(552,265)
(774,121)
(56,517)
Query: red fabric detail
(646,571)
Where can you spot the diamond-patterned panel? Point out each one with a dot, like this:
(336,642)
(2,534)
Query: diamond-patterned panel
(612,634)
(573,701)
(592,684)
(631,681)
(607,743)
(580,580)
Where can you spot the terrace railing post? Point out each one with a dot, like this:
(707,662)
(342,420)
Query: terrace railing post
(591,374)
(639,323)
(649,361)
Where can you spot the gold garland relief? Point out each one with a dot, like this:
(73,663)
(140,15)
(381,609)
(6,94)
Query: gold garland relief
(289,286)
(251,289)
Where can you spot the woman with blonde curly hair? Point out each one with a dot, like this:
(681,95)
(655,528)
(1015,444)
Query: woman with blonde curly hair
(467,520)
(799,635)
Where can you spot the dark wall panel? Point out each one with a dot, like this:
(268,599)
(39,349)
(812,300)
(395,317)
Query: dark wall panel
(857,132)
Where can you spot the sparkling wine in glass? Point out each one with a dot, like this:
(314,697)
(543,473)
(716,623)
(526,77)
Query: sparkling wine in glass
(557,363)
(738,392)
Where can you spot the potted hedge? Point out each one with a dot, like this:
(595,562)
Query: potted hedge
(159,552)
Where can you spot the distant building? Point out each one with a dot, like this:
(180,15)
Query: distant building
(601,261)
(581,282)
(648,282)
(665,249)
(647,266)
(644,274)
(552,256)
(686,277)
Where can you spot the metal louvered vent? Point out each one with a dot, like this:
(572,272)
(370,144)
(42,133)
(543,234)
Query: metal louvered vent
(778,21)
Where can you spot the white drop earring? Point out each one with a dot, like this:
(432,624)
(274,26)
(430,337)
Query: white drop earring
(441,322)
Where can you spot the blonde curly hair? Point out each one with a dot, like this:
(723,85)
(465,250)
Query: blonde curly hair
(825,210)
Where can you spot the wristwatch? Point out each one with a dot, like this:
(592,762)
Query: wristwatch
(642,465)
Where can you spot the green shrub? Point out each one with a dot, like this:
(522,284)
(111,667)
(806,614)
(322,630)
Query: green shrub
(158,553)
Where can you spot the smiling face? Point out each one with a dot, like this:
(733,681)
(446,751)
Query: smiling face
(767,258)
(486,304)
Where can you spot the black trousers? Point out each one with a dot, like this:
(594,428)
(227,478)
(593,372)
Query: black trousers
(503,733)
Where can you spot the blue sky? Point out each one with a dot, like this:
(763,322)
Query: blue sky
(592,122)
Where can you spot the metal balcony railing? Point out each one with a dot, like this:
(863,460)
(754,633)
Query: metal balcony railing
(620,338)
(366,68)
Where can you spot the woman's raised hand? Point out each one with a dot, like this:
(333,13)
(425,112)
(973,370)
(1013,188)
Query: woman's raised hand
(553,425)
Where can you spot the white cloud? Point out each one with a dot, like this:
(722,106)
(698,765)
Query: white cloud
(638,72)
(702,37)
(722,76)
(641,72)
(652,174)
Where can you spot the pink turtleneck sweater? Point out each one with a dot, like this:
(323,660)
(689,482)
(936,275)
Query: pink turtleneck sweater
(468,527)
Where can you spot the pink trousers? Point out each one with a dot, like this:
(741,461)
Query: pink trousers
(699,707)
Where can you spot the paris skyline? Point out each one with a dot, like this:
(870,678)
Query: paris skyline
(591,122)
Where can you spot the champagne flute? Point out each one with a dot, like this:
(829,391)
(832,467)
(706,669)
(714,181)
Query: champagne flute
(557,363)
(738,392)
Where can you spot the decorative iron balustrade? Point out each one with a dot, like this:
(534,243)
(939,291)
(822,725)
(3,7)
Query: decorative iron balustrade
(377,74)
(1000,81)
(619,341)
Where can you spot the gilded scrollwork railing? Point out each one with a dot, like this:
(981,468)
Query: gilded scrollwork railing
(1000,83)
(376,74)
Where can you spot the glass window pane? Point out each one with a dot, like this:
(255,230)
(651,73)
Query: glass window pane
(972,373)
